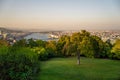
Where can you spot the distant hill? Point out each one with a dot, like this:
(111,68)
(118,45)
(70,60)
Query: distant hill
(8,30)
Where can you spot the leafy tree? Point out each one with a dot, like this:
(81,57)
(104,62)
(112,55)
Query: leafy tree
(51,48)
(66,47)
(21,43)
(102,49)
(115,52)
(87,48)
(76,40)
(31,43)
(79,40)
(82,43)
(59,47)
(60,44)
(71,45)
(40,43)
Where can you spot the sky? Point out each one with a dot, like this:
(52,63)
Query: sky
(60,14)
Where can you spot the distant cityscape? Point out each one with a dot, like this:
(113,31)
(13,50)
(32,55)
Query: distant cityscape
(13,35)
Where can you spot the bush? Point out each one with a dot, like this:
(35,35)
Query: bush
(51,49)
(17,63)
(115,52)
(51,52)
(43,55)
(41,52)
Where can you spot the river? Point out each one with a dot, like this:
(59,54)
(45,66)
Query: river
(37,36)
(42,36)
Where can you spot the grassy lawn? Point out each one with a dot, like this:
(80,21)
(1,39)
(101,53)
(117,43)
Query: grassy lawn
(90,69)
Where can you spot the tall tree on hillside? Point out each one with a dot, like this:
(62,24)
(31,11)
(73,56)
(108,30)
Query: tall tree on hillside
(76,40)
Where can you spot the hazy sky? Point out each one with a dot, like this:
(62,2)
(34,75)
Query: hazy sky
(60,14)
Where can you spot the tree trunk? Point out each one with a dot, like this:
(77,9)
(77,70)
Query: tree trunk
(78,57)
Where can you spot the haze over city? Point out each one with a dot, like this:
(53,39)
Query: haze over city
(60,14)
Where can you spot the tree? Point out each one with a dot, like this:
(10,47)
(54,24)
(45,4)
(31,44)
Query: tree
(66,46)
(83,35)
(60,45)
(76,40)
(51,48)
(31,43)
(40,43)
(20,43)
(87,48)
(72,44)
(102,49)
(115,52)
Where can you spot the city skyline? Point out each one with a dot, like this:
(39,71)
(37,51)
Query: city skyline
(60,14)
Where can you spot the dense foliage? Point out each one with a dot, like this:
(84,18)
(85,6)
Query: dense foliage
(87,45)
(115,52)
(17,63)
(84,43)
(79,43)
(41,52)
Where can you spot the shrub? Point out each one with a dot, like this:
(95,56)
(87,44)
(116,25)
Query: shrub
(51,52)
(17,63)
(51,49)
(20,43)
(41,52)
(115,52)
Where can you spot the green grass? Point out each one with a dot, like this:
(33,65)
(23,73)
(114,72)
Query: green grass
(89,69)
